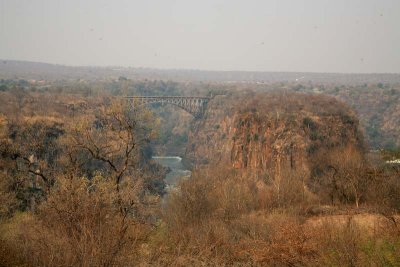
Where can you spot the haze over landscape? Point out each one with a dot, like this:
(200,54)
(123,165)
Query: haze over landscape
(199,133)
(358,36)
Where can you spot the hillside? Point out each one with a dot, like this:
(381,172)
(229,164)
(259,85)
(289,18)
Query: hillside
(379,113)
(272,131)
(376,105)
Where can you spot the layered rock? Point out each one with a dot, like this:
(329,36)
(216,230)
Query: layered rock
(271,131)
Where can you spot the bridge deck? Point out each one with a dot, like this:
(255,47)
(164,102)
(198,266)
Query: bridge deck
(195,105)
(175,97)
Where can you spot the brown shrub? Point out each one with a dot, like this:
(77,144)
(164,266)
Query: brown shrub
(350,244)
(384,190)
(212,194)
(289,246)
(222,217)
(255,239)
(289,191)
(82,223)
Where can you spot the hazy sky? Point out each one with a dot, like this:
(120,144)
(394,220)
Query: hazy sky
(259,35)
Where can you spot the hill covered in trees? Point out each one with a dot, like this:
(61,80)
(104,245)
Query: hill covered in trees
(377,106)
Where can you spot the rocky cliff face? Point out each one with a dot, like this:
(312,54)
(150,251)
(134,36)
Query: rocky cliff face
(271,131)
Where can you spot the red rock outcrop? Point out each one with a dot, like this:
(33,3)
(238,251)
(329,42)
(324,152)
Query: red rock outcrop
(271,131)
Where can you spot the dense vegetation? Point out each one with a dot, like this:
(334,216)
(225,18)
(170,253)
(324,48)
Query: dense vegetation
(378,108)
(377,104)
(79,188)
(77,181)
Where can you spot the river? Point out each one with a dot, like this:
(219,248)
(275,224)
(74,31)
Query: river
(178,170)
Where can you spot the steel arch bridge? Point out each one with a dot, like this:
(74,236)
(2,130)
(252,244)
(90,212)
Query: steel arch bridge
(195,105)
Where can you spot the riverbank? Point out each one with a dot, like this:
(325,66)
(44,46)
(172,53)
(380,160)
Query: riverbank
(177,169)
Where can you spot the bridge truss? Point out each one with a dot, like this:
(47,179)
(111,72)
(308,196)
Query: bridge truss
(195,105)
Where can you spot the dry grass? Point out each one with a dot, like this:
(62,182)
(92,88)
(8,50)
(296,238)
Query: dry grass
(353,243)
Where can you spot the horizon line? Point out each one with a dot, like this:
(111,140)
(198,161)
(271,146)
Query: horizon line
(192,69)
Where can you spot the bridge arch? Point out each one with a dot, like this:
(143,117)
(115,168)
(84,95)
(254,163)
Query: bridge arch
(195,105)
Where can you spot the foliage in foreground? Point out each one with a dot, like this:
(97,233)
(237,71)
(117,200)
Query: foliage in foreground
(229,220)
(81,223)
(224,221)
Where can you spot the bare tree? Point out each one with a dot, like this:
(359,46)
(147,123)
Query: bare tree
(347,174)
(114,136)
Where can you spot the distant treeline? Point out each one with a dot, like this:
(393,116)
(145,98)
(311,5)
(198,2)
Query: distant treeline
(35,70)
